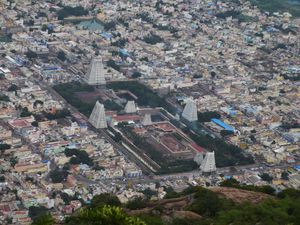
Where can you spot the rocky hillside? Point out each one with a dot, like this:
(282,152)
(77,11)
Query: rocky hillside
(239,195)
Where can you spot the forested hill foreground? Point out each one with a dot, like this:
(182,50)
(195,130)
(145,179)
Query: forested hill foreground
(291,6)
(229,204)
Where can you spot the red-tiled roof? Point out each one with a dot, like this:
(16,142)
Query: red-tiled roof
(198,148)
(19,123)
(126,118)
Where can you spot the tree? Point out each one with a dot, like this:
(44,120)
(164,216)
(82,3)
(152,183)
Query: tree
(226,132)
(207,116)
(44,27)
(59,114)
(13,87)
(36,211)
(289,192)
(2,179)
(69,90)
(136,203)
(230,183)
(67,11)
(4,147)
(105,199)
(44,219)
(58,176)
(185,221)
(149,193)
(107,215)
(4,98)
(197,76)
(153,39)
(111,105)
(31,55)
(154,220)
(52,9)
(61,55)
(78,157)
(266,177)
(111,25)
(136,75)
(25,112)
(117,137)
(13,161)
(65,197)
(285,175)
(207,203)
(75,161)
(38,102)
(111,63)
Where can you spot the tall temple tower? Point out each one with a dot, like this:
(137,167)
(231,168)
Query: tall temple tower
(147,120)
(97,117)
(208,165)
(95,74)
(130,107)
(198,158)
(190,111)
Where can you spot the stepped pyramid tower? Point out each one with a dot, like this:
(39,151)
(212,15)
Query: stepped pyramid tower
(198,158)
(208,165)
(190,111)
(95,74)
(130,107)
(147,120)
(97,117)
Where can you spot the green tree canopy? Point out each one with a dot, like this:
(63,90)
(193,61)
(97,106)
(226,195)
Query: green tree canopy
(44,219)
(61,55)
(58,176)
(31,55)
(106,215)
(105,199)
(36,211)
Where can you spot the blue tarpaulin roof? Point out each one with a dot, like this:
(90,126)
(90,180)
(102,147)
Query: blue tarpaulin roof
(106,35)
(222,124)
(297,167)
(124,52)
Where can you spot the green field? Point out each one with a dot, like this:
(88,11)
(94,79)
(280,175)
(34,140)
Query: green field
(291,6)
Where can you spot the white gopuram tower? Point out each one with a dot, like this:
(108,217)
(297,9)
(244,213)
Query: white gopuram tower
(190,111)
(208,165)
(198,158)
(97,117)
(95,74)
(147,120)
(130,107)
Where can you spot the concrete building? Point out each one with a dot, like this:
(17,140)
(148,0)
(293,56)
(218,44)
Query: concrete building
(95,74)
(97,117)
